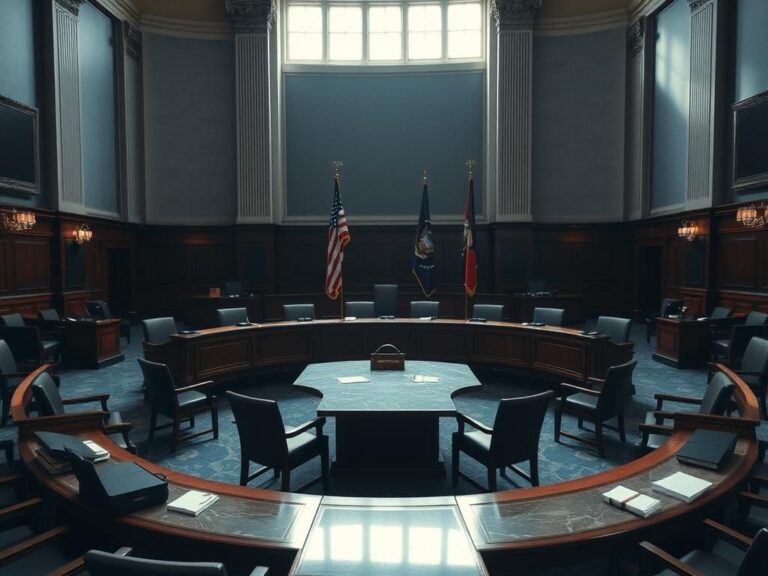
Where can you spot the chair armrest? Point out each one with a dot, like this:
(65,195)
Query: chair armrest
(199,386)
(462,418)
(660,397)
(301,428)
(753,499)
(121,427)
(668,560)
(573,388)
(722,531)
(93,398)
(72,567)
(655,429)
(750,373)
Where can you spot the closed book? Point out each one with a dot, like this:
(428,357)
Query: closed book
(619,496)
(708,449)
(682,486)
(643,505)
(193,502)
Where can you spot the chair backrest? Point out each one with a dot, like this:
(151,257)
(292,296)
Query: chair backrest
(741,334)
(260,427)
(424,308)
(755,357)
(756,318)
(101,563)
(756,557)
(670,306)
(161,391)
(549,316)
(717,395)
(98,309)
(14,319)
(51,315)
(719,313)
(7,361)
(617,329)
(158,330)
(24,342)
(517,427)
(47,397)
(613,394)
(232,288)
(385,299)
(492,312)
(296,311)
(360,309)
(231,316)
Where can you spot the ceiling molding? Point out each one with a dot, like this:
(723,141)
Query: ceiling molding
(123,10)
(186,28)
(573,25)
(639,8)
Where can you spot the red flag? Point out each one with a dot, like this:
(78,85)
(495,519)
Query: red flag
(338,238)
(469,252)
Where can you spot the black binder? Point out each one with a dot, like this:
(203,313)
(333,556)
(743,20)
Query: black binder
(60,444)
(119,488)
(708,449)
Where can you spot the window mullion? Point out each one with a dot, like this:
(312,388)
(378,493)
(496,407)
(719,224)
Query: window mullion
(364,13)
(326,33)
(404,21)
(444,31)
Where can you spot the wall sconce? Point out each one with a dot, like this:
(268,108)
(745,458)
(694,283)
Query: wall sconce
(15,221)
(751,216)
(83,233)
(688,230)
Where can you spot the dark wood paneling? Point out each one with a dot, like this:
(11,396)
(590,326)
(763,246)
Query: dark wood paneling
(32,264)
(5,266)
(736,261)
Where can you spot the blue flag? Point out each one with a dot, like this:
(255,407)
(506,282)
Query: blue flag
(423,265)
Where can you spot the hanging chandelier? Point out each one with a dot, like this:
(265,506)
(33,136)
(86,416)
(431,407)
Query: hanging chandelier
(688,230)
(15,221)
(752,216)
(83,233)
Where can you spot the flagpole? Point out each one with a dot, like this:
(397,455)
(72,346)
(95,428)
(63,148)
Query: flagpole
(337,164)
(470,166)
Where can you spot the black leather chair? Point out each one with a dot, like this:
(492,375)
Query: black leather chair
(715,402)
(668,306)
(296,311)
(159,330)
(28,346)
(596,406)
(424,308)
(549,316)
(617,329)
(14,319)
(10,377)
(178,404)
(716,560)
(49,315)
(492,312)
(514,438)
(50,347)
(732,349)
(720,313)
(754,370)
(99,310)
(360,309)
(264,439)
(385,299)
(49,402)
(231,316)
(120,563)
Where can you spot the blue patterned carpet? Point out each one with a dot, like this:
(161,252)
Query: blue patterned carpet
(220,459)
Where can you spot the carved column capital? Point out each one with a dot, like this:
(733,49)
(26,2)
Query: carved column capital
(635,36)
(514,14)
(252,16)
(132,40)
(696,4)
(71,6)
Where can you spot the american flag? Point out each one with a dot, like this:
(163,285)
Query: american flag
(338,237)
(470,250)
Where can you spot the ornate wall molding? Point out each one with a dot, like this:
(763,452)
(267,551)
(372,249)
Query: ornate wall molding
(252,16)
(132,40)
(72,6)
(696,4)
(514,14)
(636,37)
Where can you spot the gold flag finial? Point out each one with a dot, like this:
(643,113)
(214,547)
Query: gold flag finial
(424,176)
(470,167)
(337,165)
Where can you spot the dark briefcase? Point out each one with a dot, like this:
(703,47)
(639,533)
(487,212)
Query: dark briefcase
(387,357)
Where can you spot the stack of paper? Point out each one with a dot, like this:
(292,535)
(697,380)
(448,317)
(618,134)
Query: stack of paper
(423,379)
(192,503)
(682,486)
(352,379)
(632,501)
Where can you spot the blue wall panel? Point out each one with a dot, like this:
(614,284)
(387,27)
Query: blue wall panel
(669,167)
(98,105)
(386,128)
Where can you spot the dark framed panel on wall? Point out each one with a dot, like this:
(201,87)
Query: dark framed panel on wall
(74,264)
(19,147)
(750,141)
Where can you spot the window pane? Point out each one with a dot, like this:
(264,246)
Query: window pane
(385,33)
(305,33)
(345,38)
(425,32)
(464,44)
(465,31)
(464,17)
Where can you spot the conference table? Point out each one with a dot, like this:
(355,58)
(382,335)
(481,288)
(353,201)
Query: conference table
(390,421)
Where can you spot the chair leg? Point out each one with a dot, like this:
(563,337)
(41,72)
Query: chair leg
(581,423)
(215,420)
(455,452)
(535,471)
(558,421)
(191,421)
(325,466)
(152,425)
(286,482)
(5,401)
(244,465)
(277,472)
(599,438)
(622,431)
(175,434)
(491,479)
